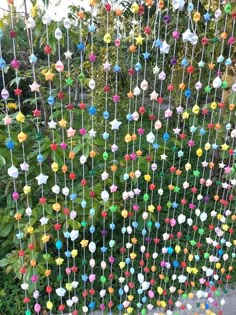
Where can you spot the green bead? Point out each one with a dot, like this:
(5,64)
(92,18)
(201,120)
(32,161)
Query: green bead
(59,277)
(166,279)
(28,312)
(174,149)
(103,279)
(84,262)
(207,89)
(185,296)
(143,311)
(46,256)
(227,8)
(218,182)
(169,204)
(217,293)
(149,224)
(193,243)
(145,197)
(83,223)
(162,174)
(214,40)
(113,208)
(81,77)
(206,255)
(196,173)
(176,189)
(198,304)
(187,237)
(105,156)
(201,231)
(224,85)
(92,172)
(39,136)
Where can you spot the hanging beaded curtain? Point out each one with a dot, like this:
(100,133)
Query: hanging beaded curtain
(120,152)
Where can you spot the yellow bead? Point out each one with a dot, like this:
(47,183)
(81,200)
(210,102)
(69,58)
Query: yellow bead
(54,167)
(199,152)
(56,207)
(195,109)
(207,146)
(27,189)
(49,305)
(107,38)
(124,213)
(74,253)
(213,105)
(196,17)
(22,137)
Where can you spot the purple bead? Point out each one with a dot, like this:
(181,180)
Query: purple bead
(15,195)
(206,199)
(102,307)
(34,278)
(173,61)
(104,232)
(148,239)
(167,19)
(162,263)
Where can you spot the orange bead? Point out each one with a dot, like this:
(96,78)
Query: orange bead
(211,165)
(80,15)
(182,86)
(161,276)
(153,268)
(223,35)
(130,94)
(33,262)
(47,272)
(185,250)
(131,174)
(171,187)
(64,168)
(134,240)
(217,126)
(148,3)
(230,268)
(92,154)
(18,216)
(139,152)
(178,172)
(92,3)
(132,48)
(118,12)
(211,66)
(231,106)
(71,155)
(161,4)
(216,197)
(111,290)
(134,137)
(113,168)
(192,283)
(180,291)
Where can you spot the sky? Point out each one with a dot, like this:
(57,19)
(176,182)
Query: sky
(60,7)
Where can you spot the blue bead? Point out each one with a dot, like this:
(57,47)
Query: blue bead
(103,249)
(187,93)
(146,55)
(144,299)
(83,203)
(170,250)
(120,307)
(81,46)
(59,244)
(92,305)
(207,306)
(112,226)
(220,252)
(68,254)
(228,62)
(144,232)
(202,131)
(73,196)
(175,205)
(190,7)
(175,263)
(92,229)
(123,230)
(116,68)
(158,43)
(40,158)
(106,115)
(155,146)
(184,62)
(132,270)
(84,278)
(33,59)
(2,63)
(92,211)
(10,144)
(214,146)
(92,110)
(129,117)
(135,224)
(1,34)
(91,28)
(126,176)
(138,67)
(66,234)
(127,260)
(121,291)
(207,17)
(140,291)
(51,100)
(157,225)
(105,135)
(166,136)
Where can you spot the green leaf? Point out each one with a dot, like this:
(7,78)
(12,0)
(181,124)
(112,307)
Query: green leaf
(6,229)
(4,262)
(2,161)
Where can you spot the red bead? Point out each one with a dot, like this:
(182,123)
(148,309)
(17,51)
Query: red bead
(183,264)
(179,234)
(194,190)
(210,126)
(147,29)
(131,71)
(130,214)
(228,277)
(23,270)
(110,304)
(53,146)
(141,10)
(152,281)
(167,220)
(72,176)
(142,110)
(36,113)
(127,157)
(127,274)
(160,100)
(92,291)
(159,208)
(221,105)
(106,88)
(31,246)
(82,106)
(61,307)
(75,312)
(147,255)
(172,169)
(85,293)
(190,69)
(57,227)
(70,106)
(156,240)
(42,200)
(195,227)
(83,182)
(66,211)
(21,253)
(48,289)
(182,135)
(107,7)
(122,250)
(92,194)
(131,285)
(74,269)
(47,50)
(152,186)
(146,269)
(183,201)
(170,87)
(12,34)
(104,214)
(205,111)
(152,117)
(204,41)
(211,227)
(111,276)
(141,263)
(61,95)
(26,300)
